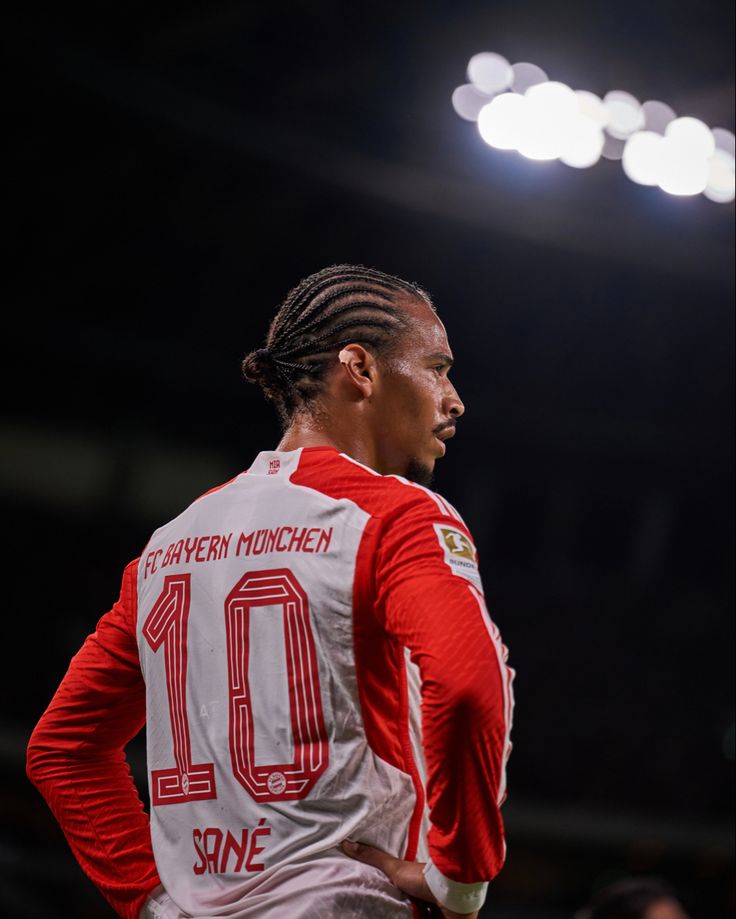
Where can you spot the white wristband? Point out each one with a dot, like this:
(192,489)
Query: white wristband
(460,898)
(156,904)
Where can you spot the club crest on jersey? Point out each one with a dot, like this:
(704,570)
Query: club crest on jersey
(459,551)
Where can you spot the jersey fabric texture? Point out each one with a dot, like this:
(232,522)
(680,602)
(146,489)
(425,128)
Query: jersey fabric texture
(310,650)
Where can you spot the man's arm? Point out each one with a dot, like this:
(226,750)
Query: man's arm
(430,597)
(407,876)
(76,759)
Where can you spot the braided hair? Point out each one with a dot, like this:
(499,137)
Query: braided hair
(340,305)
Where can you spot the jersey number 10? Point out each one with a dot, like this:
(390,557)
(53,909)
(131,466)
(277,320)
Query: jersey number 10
(167,624)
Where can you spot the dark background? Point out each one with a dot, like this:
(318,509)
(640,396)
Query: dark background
(176,167)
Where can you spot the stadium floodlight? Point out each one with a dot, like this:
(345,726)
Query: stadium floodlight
(692,135)
(549,113)
(592,107)
(583,144)
(517,107)
(724,140)
(721,185)
(490,73)
(501,122)
(683,169)
(526,75)
(625,114)
(468,100)
(642,159)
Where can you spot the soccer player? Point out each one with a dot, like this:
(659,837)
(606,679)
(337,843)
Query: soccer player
(327,702)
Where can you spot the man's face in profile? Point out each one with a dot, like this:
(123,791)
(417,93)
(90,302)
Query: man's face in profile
(416,403)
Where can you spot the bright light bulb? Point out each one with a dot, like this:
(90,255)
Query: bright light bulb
(692,135)
(490,72)
(500,122)
(682,170)
(468,101)
(625,114)
(584,143)
(551,110)
(642,159)
(721,185)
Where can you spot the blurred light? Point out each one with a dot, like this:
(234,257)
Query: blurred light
(613,148)
(489,72)
(683,171)
(691,135)
(518,108)
(657,115)
(721,186)
(501,121)
(525,75)
(584,143)
(625,114)
(550,111)
(468,101)
(642,159)
(592,107)
(724,140)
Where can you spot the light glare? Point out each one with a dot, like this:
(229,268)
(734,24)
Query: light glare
(613,147)
(501,121)
(518,108)
(592,107)
(526,75)
(657,115)
(682,172)
(468,101)
(721,186)
(724,140)
(692,135)
(550,111)
(489,72)
(584,143)
(625,114)
(642,159)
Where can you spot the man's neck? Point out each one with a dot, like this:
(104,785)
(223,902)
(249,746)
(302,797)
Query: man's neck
(307,431)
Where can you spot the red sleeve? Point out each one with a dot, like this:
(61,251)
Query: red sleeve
(76,758)
(440,616)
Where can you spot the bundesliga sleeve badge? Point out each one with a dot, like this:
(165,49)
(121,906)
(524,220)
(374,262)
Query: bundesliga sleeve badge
(460,553)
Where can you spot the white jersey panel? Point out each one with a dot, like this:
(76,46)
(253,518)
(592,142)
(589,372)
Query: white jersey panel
(257,753)
(414,690)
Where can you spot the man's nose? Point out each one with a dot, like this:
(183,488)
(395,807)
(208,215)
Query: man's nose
(453,403)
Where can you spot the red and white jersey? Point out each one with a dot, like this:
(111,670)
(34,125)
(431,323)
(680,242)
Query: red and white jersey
(277,621)
(318,665)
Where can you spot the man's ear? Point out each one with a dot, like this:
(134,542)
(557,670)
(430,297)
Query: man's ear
(358,367)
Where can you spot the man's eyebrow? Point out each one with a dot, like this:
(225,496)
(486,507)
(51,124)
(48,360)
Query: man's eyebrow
(441,357)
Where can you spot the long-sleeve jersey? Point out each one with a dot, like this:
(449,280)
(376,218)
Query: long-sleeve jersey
(310,650)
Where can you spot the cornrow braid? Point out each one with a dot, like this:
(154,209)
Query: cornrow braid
(337,306)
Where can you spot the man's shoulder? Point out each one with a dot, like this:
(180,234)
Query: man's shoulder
(339,476)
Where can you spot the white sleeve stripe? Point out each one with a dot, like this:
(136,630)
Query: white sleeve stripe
(361,465)
(445,507)
(507,679)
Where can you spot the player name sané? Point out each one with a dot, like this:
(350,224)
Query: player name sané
(218,852)
(216,546)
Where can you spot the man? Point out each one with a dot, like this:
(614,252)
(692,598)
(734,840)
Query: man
(327,702)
